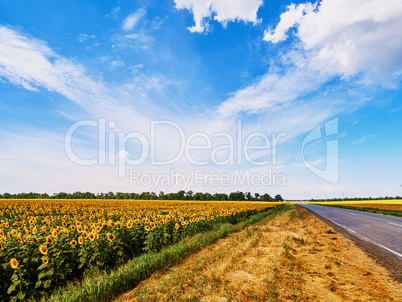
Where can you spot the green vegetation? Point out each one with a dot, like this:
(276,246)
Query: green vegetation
(371,210)
(104,287)
(181,195)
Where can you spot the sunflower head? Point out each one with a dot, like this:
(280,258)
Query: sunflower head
(91,236)
(14,263)
(43,249)
(80,240)
(110,237)
(147,227)
(49,240)
(73,242)
(45,260)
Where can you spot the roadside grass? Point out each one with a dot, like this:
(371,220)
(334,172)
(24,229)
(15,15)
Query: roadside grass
(371,210)
(289,258)
(102,286)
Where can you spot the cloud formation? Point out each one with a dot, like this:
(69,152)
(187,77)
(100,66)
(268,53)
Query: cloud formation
(362,36)
(133,19)
(222,11)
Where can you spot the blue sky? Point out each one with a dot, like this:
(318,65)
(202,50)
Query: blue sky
(274,67)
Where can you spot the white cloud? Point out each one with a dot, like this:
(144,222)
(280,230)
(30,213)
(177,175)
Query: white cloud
(222,11)
(117,63)
(363,139)
(30,63)
(289,19)
(348,37)
(133,19)
(272,91)
(123,154)
(84,37)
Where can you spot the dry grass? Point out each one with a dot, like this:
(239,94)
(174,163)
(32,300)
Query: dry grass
(294,257)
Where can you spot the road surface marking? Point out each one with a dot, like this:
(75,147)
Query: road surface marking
(350,230)
(367,239)
(384,247)
(400,225)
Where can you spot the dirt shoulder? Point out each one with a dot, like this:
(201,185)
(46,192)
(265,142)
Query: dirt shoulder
(382,257)
(294,257)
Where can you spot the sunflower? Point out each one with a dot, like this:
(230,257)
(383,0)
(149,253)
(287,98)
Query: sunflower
(147,227)
(91,236)
(45,260)
(14,263)
(80,240)
(177,226)
(72,227)
(49,239)
(166,234)
(43,249)
(110,237)
(73,242)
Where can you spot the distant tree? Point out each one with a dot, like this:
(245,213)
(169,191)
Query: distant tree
(278,197)
(181,195)
(189,195)
(237,196)
(266,197)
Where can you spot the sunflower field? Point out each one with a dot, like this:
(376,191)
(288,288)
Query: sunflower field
(45,243)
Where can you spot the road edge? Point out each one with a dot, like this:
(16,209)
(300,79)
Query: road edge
(386,259)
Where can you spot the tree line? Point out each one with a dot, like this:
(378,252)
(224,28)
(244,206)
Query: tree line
(181,195)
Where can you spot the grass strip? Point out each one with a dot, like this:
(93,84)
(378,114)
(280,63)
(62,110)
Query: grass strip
(371,210)
(130,274)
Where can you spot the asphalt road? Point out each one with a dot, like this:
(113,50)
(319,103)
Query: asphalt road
(383,231)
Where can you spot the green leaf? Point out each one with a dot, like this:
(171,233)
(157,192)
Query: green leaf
(39,283)
(41,275)
(46,284)
(11,288)
(58,276)
(21,295)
